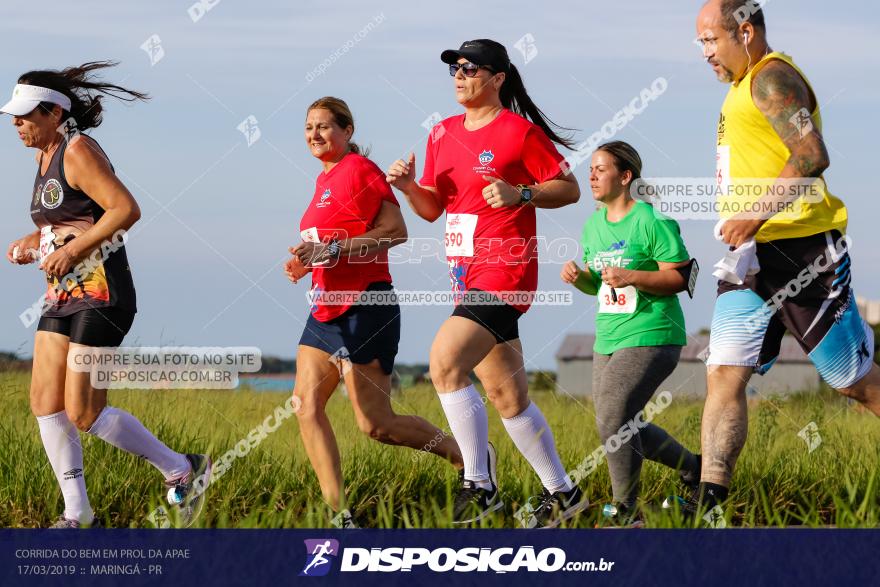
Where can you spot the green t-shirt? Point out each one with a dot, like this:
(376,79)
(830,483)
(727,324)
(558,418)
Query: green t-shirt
(638,242)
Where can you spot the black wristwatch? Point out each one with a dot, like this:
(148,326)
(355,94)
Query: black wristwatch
(334,248)
(525,194)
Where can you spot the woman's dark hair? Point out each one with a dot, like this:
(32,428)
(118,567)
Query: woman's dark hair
(342,116)
(626,158)
(514,97)
(84,90)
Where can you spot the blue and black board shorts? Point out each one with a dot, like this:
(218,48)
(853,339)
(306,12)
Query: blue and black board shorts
(803,287)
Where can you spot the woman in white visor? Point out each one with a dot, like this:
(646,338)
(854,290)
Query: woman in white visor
(81,209)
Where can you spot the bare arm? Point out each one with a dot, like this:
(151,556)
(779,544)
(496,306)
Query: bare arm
(582,279)
(785,100)
(782,96)
(27,243)
(666,281)
(88,170)
(389,230)
(586,284)
(556,193)
(424,201)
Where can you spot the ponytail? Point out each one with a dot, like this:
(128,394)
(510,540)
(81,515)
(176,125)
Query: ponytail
(84,90)
(514,97)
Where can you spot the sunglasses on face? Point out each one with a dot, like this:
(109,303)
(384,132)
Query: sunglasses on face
(468,69)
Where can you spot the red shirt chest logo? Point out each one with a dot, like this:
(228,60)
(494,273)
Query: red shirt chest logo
(325,199)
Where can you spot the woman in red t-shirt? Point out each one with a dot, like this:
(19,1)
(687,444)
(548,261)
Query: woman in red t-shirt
(488,169)
(354,325)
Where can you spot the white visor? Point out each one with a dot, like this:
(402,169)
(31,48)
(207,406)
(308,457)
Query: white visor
(25,98)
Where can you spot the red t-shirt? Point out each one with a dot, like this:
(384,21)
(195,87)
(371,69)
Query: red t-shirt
(489,249)
(346,202)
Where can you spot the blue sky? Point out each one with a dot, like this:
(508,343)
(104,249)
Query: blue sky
(219,215)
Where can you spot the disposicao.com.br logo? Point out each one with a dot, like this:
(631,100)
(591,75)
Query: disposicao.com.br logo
(443,560)
(318,553)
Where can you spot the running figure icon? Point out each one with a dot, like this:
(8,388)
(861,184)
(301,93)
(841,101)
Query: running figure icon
(319,557)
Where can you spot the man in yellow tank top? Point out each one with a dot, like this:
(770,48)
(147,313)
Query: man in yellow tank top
(770,134)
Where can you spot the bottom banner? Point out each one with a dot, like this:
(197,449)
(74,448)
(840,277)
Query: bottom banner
(327,557)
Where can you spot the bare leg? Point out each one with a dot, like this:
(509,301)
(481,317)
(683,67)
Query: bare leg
(316,378)
(867,390)
(460,345)
(458,348)
(369,388)
(60,437)
(725,422)
(83,402)
(504,377)
(85,406)
(48,373)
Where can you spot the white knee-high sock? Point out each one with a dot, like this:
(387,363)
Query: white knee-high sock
(533,438)
(469,424)
(124,431)
(64,449)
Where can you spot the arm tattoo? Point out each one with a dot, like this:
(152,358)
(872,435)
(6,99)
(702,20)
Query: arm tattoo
(782,95)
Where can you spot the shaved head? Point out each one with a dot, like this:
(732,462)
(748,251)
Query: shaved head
(732,36)
(730,14)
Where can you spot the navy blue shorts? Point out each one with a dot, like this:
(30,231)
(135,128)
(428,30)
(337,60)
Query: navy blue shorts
(362,334)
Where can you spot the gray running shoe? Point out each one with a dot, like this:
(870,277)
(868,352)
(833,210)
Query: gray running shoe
(65,523)
(187,494)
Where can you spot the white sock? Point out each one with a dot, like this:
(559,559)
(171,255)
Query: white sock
(64,449)
(469,424)
(124,431)
(533,438)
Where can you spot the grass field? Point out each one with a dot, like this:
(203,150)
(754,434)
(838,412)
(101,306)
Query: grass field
(778,482)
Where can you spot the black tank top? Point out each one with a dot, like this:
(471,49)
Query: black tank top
(63,213)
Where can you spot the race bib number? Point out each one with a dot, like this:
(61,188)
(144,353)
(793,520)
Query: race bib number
(310,235)
(722,168)
(47,242)
(624,301)
(460,230)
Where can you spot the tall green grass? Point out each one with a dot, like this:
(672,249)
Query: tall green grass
(777,481)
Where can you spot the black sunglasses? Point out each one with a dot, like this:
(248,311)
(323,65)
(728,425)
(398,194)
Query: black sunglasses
(468,69)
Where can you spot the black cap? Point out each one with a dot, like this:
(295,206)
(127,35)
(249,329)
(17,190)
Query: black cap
(481,52)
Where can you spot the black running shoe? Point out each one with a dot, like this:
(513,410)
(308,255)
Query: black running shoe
(708,510)
(691,482)
(691,479)
(472,503)
(555,508)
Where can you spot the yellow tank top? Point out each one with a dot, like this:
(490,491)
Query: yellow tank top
(749,148)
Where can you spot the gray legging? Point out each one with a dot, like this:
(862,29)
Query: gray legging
(623,382)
